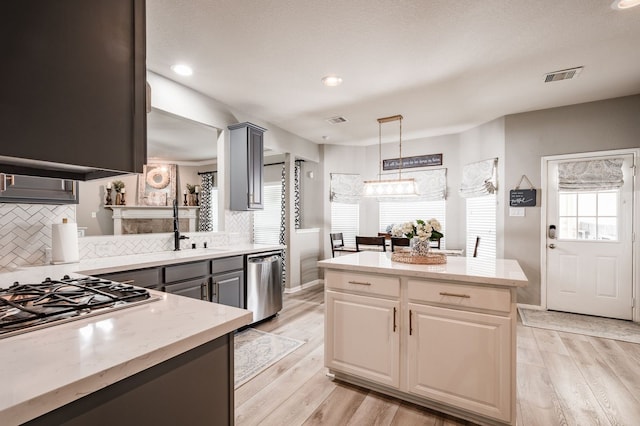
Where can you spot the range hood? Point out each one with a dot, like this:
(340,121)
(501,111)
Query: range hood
(21,166)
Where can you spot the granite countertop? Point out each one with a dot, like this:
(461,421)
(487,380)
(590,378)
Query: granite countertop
(44,369)
(499,272)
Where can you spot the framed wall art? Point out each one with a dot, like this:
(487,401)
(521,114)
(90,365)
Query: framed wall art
(157,185)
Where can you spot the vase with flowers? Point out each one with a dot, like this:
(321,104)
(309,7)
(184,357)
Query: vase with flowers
(420,233)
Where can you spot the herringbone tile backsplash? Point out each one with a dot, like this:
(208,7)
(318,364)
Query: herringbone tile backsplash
(25,234)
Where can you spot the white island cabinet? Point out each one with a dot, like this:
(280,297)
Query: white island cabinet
(442,336)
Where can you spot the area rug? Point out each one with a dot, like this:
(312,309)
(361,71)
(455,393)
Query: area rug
(255,351)
(607,328)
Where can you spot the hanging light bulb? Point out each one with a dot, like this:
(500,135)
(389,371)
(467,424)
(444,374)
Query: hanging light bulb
(392,187)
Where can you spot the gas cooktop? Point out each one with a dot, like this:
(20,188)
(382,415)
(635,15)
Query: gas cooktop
(28,307)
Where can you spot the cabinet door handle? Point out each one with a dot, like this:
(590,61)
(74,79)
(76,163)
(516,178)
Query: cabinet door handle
(5,181)
(444,293)
(410,323)
(203,291)
(394,319)
(359,283)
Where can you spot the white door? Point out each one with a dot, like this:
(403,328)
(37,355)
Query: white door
(589,259)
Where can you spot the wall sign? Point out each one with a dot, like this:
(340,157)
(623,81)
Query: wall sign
(522,197)
(409,162)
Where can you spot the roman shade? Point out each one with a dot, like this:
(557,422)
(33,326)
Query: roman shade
(346,188)
(479,178)
(590,175)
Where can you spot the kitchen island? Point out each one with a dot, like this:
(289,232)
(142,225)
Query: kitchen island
(167,361)
(442,336)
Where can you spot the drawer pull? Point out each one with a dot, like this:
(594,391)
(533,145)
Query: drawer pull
(359,283)
(466,296)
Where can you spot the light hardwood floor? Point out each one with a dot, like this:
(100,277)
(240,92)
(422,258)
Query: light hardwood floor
(563,379)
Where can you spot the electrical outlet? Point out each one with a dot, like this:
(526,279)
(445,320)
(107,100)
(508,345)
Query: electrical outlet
(93,215)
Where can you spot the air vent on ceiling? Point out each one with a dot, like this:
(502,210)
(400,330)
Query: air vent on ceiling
(562,74)
(336,120)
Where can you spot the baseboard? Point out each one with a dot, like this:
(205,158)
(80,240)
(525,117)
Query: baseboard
(532,307)
(304,286)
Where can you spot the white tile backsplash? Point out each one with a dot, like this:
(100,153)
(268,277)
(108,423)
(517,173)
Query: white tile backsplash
(25,235)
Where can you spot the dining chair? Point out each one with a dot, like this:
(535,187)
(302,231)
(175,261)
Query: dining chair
(399,242)
(435,243)
(475,249)
(370,241)
(337,244)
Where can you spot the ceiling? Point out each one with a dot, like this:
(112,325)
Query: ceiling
(445,65)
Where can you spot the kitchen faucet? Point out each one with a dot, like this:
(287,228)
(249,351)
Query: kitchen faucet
(176,232)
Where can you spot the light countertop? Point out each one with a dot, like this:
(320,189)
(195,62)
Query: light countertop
(44,369)
(499,272)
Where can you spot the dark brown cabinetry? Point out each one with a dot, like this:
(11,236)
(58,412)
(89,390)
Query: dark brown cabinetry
(247,161)
(73,105)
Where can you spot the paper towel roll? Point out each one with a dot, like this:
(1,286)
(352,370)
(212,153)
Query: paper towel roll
(64,243)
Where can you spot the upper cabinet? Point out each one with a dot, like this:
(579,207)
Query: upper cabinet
(73,105)
(247,161)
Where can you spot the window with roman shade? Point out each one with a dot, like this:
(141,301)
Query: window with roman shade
(479,178)
(345,195)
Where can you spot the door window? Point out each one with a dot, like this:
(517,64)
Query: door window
(588,215)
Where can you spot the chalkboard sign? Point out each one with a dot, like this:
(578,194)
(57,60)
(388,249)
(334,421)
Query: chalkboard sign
(522,197)
(409,162)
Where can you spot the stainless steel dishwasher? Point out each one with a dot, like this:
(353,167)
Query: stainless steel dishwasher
(264,284)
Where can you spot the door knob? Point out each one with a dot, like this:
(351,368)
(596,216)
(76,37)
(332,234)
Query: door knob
(552,246)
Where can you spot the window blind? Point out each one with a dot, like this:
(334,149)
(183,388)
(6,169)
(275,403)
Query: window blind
(481,222)
(266,222)
(345,218)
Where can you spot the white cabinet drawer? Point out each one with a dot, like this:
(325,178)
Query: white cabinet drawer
(363,283)
(460,295)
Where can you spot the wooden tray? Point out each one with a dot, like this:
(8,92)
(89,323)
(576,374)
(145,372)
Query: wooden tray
(430,259)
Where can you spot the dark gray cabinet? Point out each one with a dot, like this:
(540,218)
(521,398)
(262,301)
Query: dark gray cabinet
(189,279)
(247,161)
(227,282)
(147,278)
(73,105)
(217,280)
(37,190)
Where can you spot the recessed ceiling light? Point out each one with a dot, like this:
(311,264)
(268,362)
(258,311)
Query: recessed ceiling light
(331,80)
(624,4)
(182,69)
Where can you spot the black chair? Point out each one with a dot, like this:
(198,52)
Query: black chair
(399,242)
(370,241)
(337,244)
(434,243)
(475,249)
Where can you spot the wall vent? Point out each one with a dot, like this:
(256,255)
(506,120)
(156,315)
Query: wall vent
(336,120)
(562,74)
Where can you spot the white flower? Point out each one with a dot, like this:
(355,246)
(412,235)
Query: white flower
(435,224)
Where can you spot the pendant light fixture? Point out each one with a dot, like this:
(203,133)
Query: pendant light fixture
(392,187)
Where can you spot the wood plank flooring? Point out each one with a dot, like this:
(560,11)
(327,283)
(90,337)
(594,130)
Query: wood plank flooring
(563,379)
